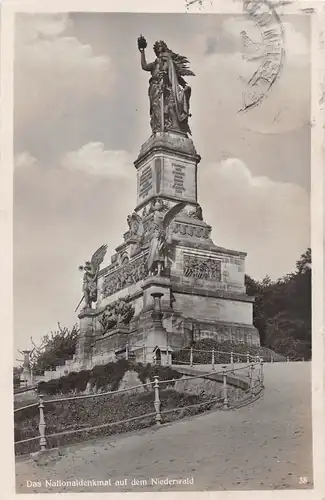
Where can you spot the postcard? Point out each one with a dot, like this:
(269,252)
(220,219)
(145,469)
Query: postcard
(164,167)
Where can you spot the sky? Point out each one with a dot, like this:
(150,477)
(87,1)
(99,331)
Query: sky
(81,115)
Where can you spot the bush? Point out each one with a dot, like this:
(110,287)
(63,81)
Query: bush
(106,377)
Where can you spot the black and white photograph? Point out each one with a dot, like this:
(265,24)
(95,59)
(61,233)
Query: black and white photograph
(162,249)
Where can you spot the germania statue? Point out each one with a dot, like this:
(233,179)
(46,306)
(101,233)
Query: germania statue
(169,93)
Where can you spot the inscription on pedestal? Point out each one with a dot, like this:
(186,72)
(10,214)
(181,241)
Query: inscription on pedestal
(179,175)
(145,182)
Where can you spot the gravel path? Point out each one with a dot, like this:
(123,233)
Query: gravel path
(267,445)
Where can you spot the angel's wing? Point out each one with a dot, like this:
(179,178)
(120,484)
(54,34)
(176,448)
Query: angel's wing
(137,217)
(182,65)
(171,214)
(99,255)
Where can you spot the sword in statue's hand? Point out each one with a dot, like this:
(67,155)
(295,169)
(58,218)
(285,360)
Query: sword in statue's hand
(82,298)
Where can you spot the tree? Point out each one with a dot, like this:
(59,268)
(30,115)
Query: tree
(282,309)
(56,348)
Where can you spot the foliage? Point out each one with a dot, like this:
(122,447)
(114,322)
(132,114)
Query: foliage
(282,310)
(223,347)
(83,413)
(104,377)
(56,348)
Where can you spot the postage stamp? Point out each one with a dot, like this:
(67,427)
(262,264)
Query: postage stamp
(164,168)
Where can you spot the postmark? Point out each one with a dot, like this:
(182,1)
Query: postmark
(268,51)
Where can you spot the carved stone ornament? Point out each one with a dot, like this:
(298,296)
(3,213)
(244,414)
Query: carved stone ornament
(200,268)
(128,274)
(119,312)
(196,213)
(187,229)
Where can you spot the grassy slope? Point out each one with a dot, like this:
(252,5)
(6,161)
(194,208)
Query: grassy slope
(82,413)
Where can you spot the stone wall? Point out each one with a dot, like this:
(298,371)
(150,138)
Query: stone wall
(211,308)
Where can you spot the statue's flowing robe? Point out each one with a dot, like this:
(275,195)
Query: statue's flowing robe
(155,254)
(178,98)
(179,94)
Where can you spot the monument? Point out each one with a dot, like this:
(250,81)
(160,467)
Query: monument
(167,278)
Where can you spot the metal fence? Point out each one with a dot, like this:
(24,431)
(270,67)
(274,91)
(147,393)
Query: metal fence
(250,374)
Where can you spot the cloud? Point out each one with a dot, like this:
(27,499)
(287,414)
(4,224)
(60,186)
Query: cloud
(268,219)
(24,160)
(95,160)
(54,71)
(61,217)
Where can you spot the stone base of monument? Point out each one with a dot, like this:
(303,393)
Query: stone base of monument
(111,341)
(203,294)
(157,284)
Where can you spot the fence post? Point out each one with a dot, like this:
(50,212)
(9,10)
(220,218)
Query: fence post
(212,361)
(272,359)
(42,424)
(127,351)
(247,357)
(167,354)
(191,357)
(251,369)
(261,372)
(157,400)
(225,389)
(144,354)
(287,359)
(232,360)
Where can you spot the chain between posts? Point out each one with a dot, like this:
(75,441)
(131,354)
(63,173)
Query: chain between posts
(157,402)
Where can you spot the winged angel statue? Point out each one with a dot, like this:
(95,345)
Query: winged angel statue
(169,93)
(91,271)
(161,239)
(136,227)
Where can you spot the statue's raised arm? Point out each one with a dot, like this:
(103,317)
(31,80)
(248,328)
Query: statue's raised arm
(142,44)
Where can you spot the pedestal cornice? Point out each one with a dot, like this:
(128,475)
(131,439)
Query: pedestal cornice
(175,144)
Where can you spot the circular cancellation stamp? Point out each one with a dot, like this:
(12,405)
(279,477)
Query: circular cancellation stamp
(268,51)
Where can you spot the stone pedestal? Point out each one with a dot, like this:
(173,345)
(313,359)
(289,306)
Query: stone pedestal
(156,341)
(204,291)
(167,167)
(157,284)
(113,340)
(86,336)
